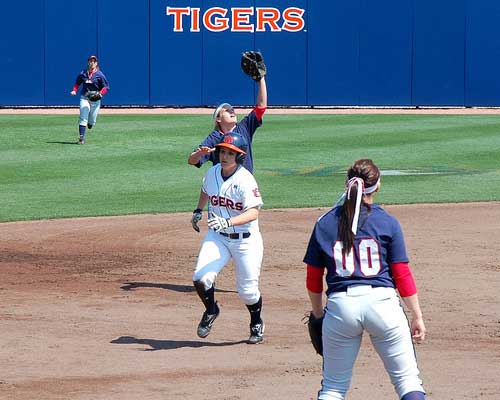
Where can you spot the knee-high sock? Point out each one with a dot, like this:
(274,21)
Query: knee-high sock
(414,396)
(255,310)
(206,296)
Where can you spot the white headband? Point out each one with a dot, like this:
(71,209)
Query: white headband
(219,109)
(347,194)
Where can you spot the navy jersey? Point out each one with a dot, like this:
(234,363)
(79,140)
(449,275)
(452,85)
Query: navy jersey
(246,128)
(378,243)
(93,82)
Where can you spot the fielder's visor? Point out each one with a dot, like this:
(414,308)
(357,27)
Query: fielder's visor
(222,106)
(92,58)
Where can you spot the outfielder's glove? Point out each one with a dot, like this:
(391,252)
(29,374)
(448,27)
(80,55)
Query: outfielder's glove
(218,223)
(252,64)
(195,218)
(94,95)
(315,327)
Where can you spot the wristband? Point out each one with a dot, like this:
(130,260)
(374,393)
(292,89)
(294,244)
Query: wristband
(198,210)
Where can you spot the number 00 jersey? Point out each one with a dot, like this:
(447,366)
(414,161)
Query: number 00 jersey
(378,243)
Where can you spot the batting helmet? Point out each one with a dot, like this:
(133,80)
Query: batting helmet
(237,143)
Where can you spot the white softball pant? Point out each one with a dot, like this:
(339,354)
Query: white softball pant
(88,111)
(216,251)
(379,312)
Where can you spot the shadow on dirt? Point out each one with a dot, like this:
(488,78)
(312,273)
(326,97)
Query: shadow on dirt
(170,344)
(167,286)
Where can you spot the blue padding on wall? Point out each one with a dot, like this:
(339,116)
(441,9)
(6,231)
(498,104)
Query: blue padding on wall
(385,52)
(333,53)
(223,80)
(71,37)
(176,58)
(483,53)
(285,54)
(124,51)
(356,52)
(439,53)
(22,53)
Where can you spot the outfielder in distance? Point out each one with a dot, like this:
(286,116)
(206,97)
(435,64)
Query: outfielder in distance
(234,202)
(95,85)
(226,121)
(363,251)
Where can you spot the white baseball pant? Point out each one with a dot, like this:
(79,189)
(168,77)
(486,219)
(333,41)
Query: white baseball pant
(216,251)
(379,312)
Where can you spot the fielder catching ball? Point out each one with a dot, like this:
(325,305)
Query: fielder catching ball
(234,202)
(226,121)
(363,251)
(95,85)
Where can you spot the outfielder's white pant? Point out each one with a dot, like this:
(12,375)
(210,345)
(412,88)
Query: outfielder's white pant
(379,312)
(216,251)
(88,111)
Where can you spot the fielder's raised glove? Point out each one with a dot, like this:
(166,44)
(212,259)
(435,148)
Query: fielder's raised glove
(218,223)
(315,327)
(94,95)
(252,64)
(195,218)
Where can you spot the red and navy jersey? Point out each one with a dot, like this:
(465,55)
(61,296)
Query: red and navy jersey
(246,128)
(91,82)
(378,243)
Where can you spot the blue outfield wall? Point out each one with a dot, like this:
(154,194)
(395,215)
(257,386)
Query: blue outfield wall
(318,52)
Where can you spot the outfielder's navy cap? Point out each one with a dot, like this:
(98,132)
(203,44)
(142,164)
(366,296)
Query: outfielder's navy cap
(92,57)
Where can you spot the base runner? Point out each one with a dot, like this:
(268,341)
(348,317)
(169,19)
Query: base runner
(234,202)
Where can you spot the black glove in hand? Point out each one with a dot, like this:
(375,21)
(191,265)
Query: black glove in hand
(218,223)
(195,218)
(94,95)
(315,328)
(252,64)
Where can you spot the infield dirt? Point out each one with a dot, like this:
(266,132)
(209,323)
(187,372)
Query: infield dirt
(103,308)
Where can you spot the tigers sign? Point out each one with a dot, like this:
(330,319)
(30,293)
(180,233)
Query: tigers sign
(237,19)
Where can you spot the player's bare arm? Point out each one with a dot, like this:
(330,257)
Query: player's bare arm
(248,216)
(195,156)
(417,321)
(202,202)
(262,93)
(316,303)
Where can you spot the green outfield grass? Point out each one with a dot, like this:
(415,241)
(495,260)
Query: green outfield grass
(134,164)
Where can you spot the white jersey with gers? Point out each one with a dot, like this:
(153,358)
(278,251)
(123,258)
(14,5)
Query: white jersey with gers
(233,196)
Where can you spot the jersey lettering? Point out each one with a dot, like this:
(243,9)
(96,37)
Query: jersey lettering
(221,201)
(344,263)
(369,258)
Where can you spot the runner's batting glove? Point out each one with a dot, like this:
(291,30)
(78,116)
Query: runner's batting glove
(218,223)
(195,218)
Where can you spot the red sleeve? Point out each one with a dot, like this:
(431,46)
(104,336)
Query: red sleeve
(259,111)
(104,91)
(314,280)
(403,279)
(76,86)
